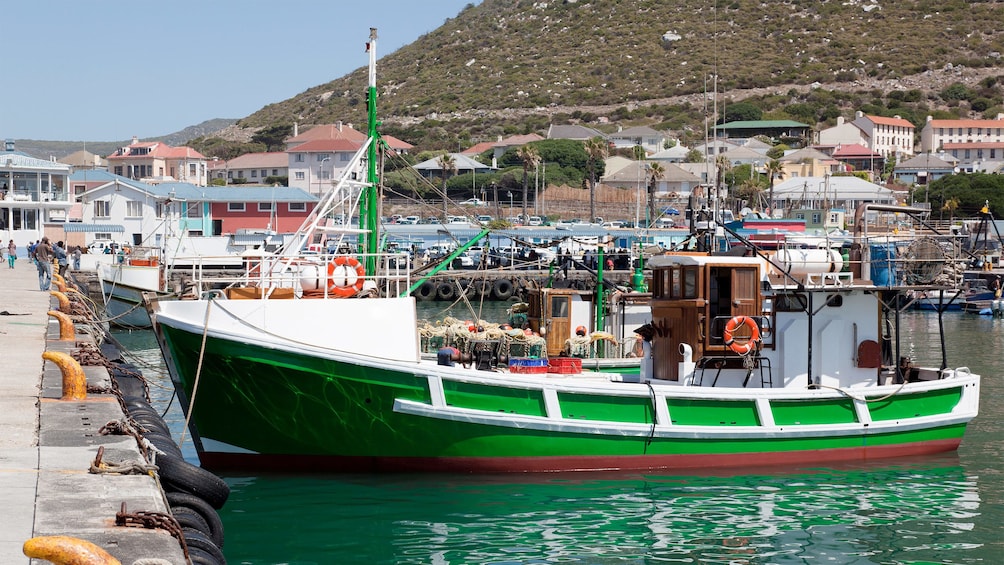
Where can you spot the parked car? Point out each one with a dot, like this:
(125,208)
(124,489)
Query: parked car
(535,221)
(473,202)
(484,218)
(409,220)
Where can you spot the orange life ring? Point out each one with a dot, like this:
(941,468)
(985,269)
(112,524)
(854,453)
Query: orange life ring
(752,340)
(345,276)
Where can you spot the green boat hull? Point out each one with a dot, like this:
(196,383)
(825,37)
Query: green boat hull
(269,408)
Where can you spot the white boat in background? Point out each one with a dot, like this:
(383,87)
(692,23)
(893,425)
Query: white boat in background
(123,282)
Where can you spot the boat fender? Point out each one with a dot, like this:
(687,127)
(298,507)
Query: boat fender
(198,540)
(345,276)
(212,518)
(178,475)
(502,289)
(750,343)
(446,291)
(66,550)
(425,291)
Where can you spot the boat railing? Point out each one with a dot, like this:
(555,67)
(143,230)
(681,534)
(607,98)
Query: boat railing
(307,275)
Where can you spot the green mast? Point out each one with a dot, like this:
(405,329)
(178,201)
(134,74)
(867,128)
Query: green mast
(369,203)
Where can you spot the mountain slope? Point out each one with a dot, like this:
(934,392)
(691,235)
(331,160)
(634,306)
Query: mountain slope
(509,60)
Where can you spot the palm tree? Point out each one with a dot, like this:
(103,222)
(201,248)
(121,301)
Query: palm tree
(448,166)
(529,155)
(774,171)
(952,204)
(596,150)
(655,172)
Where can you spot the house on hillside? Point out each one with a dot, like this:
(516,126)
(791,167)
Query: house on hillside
(675,154)
(809,162)
(462,164)
(860,158)
(889,137)
(573,132)
(649,139)
(937,133)
(924,168)
(773,129)
(844,133)
(314,166)
(154,161)
(499,147)
(674,182)
(251,168)
(340,130)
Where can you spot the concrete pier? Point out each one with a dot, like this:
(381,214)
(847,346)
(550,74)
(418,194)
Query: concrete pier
(48,445)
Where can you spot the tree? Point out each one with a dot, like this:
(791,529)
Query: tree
(952,204)
(742,112)
(530,157)
(655,172)
(448,166)
(722,166)
(693,156)
(596,150)
(775,170)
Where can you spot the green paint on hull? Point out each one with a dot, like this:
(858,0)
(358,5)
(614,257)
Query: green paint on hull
(280,403)
(933,402)
(806,413)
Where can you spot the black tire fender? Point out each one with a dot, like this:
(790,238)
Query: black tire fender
(502,289)
(446,291)
(195,538)
(208,514)
(425,291)
(179,475)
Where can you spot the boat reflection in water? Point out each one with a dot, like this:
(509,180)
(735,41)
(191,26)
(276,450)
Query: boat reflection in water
(919,510)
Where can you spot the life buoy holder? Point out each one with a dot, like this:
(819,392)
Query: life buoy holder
(345,276)
(750,342)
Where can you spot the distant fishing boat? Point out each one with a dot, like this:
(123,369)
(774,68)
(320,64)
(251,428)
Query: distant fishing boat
(312,362)
(125,279)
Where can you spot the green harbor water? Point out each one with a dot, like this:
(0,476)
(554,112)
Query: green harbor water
(940,509)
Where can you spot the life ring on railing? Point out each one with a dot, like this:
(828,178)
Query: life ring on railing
(750,342)
(345,276)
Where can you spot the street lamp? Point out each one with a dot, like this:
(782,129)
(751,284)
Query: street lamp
(509,193)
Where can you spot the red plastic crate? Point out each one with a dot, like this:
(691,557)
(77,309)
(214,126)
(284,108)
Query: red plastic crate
(527,365)
(565,365)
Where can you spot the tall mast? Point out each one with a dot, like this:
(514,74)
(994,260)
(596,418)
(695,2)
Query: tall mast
(369,203)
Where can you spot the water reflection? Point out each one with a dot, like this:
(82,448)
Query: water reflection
(908,512)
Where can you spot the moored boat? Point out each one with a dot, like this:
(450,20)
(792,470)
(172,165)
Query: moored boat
(125,279)
(313,362)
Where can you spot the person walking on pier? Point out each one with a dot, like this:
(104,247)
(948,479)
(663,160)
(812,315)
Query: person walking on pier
(11,253)
(75,254)
(43,260)
(59,251)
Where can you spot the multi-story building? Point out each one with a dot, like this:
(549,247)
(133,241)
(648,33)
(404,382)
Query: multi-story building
(251,169)
(939,133)
(154,161)
(889,137)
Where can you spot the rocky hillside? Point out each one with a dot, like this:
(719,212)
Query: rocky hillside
(506,66)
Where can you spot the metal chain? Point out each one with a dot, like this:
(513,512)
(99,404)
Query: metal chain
(153,521)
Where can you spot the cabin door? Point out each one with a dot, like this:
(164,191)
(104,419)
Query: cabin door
(558,321)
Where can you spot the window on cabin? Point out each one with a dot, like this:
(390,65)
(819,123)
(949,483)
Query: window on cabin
(297,206)
(264,206)
(235,207)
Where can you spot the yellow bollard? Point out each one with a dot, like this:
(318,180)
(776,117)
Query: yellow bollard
(56,277)
(64,301)
(59,285)
(65,550)
(67,331)
(74,381)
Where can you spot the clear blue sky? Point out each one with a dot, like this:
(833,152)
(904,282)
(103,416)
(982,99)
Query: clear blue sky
(106,71)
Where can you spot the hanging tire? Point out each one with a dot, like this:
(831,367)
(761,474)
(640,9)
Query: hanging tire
(199,540)
(467,286)
(446,291)
(426,291)
(131,387)
(201,557)
(502,289)
(179,475)
(164,442)
(211,517)
(483,288)
(152,424)
(188,518)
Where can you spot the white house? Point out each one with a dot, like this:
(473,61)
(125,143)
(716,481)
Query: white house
(34,197)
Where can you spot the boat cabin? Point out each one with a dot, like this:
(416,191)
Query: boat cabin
(693,300)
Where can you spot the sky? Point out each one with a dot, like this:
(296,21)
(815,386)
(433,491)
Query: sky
(107,71)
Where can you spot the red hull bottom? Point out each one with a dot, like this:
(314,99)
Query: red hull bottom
(242,462)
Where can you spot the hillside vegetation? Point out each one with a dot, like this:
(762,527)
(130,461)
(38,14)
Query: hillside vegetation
(504,66)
